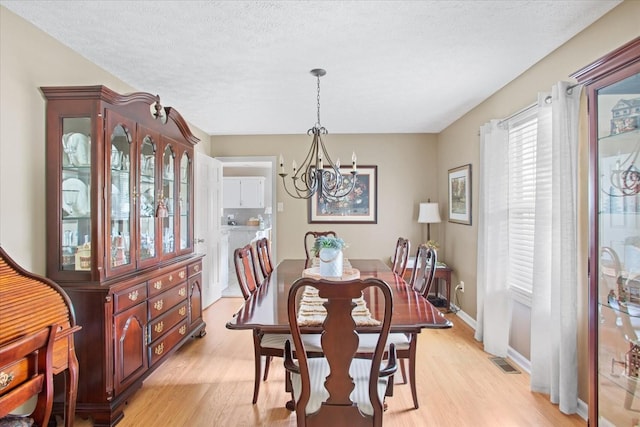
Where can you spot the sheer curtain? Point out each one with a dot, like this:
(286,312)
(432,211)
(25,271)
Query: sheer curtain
(554,360)
(494,317)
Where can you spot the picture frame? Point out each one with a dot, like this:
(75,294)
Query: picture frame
(360,206)
(460,195)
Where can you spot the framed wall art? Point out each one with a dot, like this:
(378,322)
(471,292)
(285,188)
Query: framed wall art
(460,195)
(360,206)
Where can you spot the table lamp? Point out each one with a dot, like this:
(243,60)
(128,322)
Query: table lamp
(429,214)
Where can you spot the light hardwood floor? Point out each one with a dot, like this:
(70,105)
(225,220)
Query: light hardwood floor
(209,382)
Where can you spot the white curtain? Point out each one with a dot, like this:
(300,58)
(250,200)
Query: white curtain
(554,361)
(494,317)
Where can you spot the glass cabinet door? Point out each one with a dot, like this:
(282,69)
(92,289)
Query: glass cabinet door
(147,249)
(120,212)
(185,201)
(168,200)
(618,225)
(75,188)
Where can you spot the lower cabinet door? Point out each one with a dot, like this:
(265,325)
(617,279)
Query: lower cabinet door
(130,359)
(195,299)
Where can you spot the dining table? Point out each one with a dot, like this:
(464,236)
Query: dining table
(266,308)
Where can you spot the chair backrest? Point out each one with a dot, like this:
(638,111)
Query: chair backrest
(263,252)
(27,367)
(424,270)
(244,262)
(401,256)
(309,240)
(340,344)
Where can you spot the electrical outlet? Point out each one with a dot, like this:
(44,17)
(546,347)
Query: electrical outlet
(460,286)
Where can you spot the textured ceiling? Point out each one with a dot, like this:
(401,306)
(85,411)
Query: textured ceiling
(242,67)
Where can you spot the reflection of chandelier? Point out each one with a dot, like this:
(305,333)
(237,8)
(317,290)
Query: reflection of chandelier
(317,173)
(626,177)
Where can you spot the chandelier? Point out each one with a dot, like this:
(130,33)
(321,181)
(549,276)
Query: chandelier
(318,173)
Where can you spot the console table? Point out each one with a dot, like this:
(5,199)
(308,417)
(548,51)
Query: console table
(443,274)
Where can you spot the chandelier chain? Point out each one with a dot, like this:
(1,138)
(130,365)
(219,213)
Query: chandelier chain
(319,125)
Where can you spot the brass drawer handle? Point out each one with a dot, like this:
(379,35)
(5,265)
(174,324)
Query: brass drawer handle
(159,327)
(183,329)
(158,305)
(5,379)
(158,284)
(182,311)
(171,277)
(133,295)
(197,268)
(182,292)
(181,274)
(159,349)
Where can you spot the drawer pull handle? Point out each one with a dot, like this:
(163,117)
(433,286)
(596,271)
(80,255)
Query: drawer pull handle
(171,277)
(197,268)
(182,311)
(158,284)
(181,274)
(158,305)
(159,349)
(5,379)
(183,329)
(182,292)
(159,327)
(133,295)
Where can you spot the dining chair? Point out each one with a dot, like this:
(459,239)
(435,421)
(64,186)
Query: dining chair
(264,344)
(263,252)
(27,366)
(421,281)
(309,240)
(401,256)
(340,388)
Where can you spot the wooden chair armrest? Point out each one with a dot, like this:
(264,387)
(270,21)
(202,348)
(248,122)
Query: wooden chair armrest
(392,365)
(289,365)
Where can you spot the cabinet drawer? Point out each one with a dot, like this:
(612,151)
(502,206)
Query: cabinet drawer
(161,283)
(168,320)
(164,345)
(129,297)
(167,300)
(195,268)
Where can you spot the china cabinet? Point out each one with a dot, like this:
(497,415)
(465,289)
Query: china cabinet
(120,236)
(243,192)
(613,89)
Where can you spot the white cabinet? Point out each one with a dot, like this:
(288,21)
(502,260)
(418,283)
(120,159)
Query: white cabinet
(243,192)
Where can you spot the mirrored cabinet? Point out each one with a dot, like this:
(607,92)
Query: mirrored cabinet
(613,89)
(120,236)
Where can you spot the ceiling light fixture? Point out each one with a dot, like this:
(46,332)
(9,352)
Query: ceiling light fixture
(318,173)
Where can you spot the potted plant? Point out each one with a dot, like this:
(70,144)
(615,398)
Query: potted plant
(329,251)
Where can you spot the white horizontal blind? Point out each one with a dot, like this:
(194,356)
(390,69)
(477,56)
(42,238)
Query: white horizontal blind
(522,199)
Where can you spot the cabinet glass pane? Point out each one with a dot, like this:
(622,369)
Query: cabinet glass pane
(75,190)
(618,107)
(185,202)
(168,196)
(147,198)
(120,171)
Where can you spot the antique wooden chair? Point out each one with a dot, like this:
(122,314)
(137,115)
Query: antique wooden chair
(26,371)
(264,344)
(424,270)
(401,256)
(340,388)
(263,252)
(310,238)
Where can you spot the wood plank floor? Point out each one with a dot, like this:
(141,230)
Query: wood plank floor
(209,382)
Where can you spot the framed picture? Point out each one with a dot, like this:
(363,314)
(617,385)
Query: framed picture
(460,195)
(360,206)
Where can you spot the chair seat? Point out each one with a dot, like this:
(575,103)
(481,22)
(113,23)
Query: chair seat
(16,421)
(311,341)
(360,370)
(368,342)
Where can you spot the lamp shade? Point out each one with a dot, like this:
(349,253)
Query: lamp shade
(429,213)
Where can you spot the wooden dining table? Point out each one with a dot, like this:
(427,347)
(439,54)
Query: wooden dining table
(266,309)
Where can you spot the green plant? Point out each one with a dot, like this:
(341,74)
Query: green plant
(433,244)
(327,242)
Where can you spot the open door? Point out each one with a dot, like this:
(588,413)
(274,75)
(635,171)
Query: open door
(208,211)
